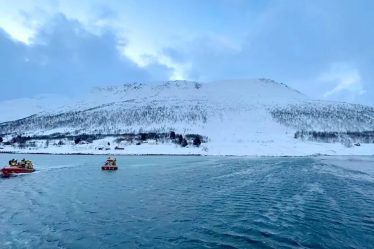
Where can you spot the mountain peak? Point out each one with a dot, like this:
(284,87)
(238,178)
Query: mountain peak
(118,88)
(246,117)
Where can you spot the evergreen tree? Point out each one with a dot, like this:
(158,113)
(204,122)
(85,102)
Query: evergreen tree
(197,141)
(184,143)
(172,135)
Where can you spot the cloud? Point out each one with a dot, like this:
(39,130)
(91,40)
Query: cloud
(65,58)
(346,78)
(294,42)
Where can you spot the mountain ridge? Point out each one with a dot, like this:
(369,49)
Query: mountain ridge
(256,115)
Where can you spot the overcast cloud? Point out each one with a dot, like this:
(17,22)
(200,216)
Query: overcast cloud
(322,48)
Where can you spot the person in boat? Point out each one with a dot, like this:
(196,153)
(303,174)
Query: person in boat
(23,162)
(13,162)
(28,164)
(111,162)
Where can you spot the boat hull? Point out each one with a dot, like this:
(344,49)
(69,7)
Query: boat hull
(109,167)
(16,170)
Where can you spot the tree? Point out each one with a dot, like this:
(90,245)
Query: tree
(179,139)
(19,139)
(197,141)
(143,136)
(77,140)
(172,135)
(83,137)
(184,143)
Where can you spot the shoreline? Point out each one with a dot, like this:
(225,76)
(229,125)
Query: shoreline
(93,154)
(192,155)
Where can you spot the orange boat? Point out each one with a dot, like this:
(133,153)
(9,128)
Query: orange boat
(110,164)
(14,167)
(15,170)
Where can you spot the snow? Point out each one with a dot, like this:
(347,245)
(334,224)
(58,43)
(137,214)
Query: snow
(236,116)
(223,148)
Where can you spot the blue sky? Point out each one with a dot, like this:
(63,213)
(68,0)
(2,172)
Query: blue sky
(322,48)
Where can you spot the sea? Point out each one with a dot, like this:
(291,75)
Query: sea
(189,202)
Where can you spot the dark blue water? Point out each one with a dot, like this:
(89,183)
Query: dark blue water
(189,202)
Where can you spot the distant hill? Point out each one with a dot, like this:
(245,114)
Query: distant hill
(248,117)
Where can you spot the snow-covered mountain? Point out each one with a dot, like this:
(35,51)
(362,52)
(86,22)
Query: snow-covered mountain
(255,117)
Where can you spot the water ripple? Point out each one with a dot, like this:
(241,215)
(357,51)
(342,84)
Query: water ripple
(190,202)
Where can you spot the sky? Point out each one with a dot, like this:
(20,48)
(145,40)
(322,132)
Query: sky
(324,49)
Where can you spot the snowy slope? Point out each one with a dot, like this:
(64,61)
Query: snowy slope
(255,117)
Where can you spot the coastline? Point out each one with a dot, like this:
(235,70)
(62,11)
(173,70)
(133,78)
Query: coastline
(180,155)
